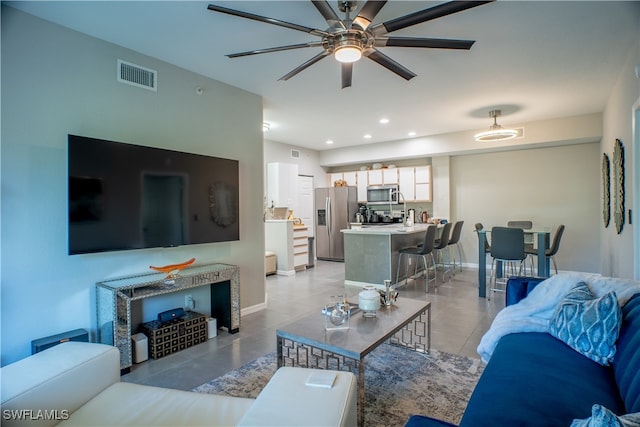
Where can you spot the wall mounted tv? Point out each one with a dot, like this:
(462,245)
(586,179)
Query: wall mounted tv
(125,196)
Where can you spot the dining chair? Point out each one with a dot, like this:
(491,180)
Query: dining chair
(420,252)
(553,249)
(454,240)
(441,247)
(507,246)
(487,246)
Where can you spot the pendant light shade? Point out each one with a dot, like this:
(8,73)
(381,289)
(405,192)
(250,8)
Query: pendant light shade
(496,132)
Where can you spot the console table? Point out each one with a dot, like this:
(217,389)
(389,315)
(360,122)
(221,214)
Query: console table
(114,298)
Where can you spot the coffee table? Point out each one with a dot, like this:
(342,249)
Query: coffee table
(306,343)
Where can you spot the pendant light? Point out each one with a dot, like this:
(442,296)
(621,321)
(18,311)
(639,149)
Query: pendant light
(496,132)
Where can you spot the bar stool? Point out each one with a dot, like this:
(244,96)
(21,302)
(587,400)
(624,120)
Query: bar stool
(507,246)
(426,248)
(440,247)
(455,241)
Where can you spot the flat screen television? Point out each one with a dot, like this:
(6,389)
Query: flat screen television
(124,196)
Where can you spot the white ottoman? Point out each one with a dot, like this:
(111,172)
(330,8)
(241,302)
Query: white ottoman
(287,401)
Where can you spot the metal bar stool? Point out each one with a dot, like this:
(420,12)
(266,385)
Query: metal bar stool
(421,251)
(442,247)
(455,241)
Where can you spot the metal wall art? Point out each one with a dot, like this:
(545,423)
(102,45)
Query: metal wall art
(606,190)
(618,185)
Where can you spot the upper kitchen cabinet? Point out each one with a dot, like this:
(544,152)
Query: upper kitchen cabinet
(350,178)
(363,182)
(282,185)
(390,176)
(414,182)
(423,183)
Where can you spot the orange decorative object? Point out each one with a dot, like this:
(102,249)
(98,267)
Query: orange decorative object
(169,269)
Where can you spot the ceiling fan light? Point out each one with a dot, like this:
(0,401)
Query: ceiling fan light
(496,132)
(500,134)
(347,53)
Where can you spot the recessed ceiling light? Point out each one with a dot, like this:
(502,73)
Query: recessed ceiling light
(329,142)
(384,121)
(412,133)
(367,136)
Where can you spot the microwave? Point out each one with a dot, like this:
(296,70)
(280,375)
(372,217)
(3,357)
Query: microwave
(382,195)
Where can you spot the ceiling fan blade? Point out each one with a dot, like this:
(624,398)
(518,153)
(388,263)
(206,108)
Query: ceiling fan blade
(367,13)
(304,66)
(424,42)
(389,64)
(420,16)
(328,14)
(347,74)
(274,49)
(266,20)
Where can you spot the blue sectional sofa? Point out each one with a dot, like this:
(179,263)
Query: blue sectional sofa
(534,379)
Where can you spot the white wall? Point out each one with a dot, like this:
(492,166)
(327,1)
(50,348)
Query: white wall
(549,186)
(56,81)
(618,251)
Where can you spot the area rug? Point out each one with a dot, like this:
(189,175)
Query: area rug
(398,383)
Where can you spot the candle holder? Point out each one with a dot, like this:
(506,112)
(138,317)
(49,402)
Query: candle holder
(369,301)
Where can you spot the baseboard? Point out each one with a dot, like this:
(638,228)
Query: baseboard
(253,309)
(286,272)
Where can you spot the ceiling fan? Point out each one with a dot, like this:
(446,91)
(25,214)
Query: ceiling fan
(350,39)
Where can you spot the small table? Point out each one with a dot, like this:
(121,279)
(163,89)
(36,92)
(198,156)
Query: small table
(306,343)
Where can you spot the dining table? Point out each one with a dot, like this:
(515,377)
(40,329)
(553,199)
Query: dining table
(541,238)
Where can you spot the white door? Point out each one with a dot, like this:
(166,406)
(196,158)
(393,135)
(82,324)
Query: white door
(305,202)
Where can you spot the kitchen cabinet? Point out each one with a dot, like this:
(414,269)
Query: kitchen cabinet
(300,247)
(363,182)
(423,183)
(375,177)
(407,183)
(390,176)
(351,178)
(282,185)
(290,244)
(414,182)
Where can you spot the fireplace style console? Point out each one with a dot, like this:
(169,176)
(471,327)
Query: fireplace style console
(114,298)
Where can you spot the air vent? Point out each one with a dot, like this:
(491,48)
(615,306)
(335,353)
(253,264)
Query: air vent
(136,75)
(520,132)
(295,154)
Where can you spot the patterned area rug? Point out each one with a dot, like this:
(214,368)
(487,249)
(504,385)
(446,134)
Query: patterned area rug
(398,383)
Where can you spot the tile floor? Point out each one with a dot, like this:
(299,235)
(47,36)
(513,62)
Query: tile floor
(459,319)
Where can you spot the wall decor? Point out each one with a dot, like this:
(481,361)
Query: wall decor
(618,185)
(606,190)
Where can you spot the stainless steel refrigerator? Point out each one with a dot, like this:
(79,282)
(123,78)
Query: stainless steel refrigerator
(335,209)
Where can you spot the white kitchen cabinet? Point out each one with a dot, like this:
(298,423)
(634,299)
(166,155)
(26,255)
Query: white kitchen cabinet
(351,178)
(390,176)
(363,182)
(300,247)
(375,177)
(333,177)
(407,183)
(423,183)
(282,185)
(278,238)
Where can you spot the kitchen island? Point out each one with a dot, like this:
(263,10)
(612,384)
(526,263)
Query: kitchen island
(371,252)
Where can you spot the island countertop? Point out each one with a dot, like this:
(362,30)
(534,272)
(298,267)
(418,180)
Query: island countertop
(371,252)
(388,229)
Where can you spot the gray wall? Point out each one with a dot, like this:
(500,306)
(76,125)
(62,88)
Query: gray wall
(549,186)
(56,81)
